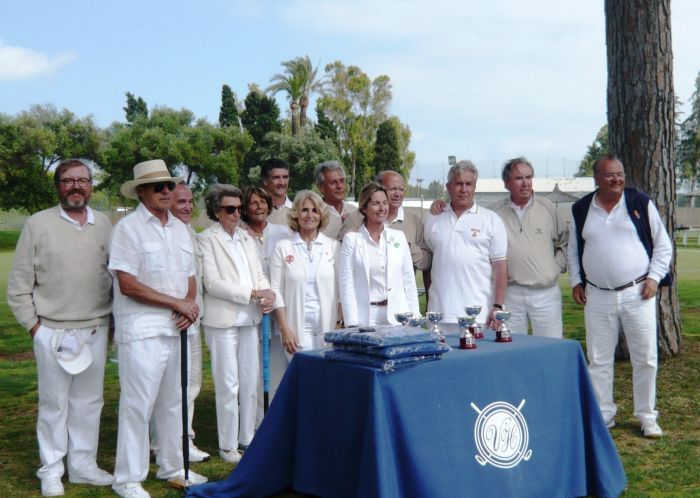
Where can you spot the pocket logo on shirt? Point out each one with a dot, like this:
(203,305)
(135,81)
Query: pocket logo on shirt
(501,435)
(475,232)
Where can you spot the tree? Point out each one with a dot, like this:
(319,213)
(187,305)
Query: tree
(260,117)
(32,144)
(291,82)
(135,108)
(301,153)
(595,150)
(325,127)
(386,148)
(435,190)
(311,84)
(357,105)
(228,115)
(688,156)
(641,121)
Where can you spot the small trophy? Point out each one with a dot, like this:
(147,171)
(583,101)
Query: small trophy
(503,334)
(434,317)
(466,339)
(474,310)
(403,317)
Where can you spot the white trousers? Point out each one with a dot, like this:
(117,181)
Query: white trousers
(235,370)
(605,312)
(149,378)
(68,419)
(194,384)
(542,307)
(377,316)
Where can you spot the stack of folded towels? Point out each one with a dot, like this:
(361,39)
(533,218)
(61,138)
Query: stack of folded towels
(386,348)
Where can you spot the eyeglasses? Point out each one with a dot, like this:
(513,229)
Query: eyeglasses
(610,176)
(231,209)
(159,187)
(69,182)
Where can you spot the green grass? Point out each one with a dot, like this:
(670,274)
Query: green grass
(666,468)
(8,240)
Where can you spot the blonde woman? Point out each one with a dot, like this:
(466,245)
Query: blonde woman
(303,274)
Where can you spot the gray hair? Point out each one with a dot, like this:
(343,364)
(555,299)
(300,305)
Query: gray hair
(509,165)
(463,166)
(320,169)
(602,159)
(379,178)
(295,211)
(213,197)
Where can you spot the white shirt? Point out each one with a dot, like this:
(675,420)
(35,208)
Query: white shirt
(235,249)
(614,255)
(272,234)
(76,224)
(376,254)
(463,249)
(161,258)
(520,211)
(310,255)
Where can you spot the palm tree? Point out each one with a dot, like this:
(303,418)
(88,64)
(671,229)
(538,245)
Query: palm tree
(290,82)
(304,67)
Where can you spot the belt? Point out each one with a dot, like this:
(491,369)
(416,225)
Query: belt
(379,303)
(622,287)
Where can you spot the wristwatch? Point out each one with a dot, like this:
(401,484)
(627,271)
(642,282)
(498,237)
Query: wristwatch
(499,306)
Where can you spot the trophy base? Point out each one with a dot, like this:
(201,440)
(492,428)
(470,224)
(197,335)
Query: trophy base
(465,343)
(477,332)
(503,337)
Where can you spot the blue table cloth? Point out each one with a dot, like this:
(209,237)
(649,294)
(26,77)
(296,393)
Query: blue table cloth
(504,420)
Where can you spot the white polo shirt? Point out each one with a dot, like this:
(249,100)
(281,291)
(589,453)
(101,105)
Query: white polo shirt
(463,249)
(614,255)
(161,257)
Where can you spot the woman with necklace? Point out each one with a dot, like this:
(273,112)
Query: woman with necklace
(377,278)
(303,274)
(257,205)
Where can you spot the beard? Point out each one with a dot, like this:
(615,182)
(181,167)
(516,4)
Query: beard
(70,203)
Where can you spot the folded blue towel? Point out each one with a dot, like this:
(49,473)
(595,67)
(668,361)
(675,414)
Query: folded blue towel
(400,351)
(387,335)
(384,364)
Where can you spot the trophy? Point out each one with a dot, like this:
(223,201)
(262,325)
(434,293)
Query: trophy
(434,317)
(502,334)
(466,339)
(403,317)
(475,328)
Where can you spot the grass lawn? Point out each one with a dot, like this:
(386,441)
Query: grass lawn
(669,467)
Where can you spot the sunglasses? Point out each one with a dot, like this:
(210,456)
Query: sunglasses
(159,187)
(231,209)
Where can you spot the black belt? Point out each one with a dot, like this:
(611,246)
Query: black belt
(379,303)
(622,287)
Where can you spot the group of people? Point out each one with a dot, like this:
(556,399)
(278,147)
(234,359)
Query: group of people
(314,264)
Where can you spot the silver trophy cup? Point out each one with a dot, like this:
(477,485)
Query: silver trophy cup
(434,317)
(503,334)
(403,317)
(466,339)
(474,310)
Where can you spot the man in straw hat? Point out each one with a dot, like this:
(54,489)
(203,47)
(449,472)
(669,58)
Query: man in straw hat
(59,290)
(151,258)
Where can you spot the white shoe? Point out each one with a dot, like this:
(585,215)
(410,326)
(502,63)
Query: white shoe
(192,477)
(96,477)
(232,456)
(51,486)
(651,429)
(130,490)
(197,455)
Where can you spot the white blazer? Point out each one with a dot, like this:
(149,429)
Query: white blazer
(288,279)
(224,296)
(402,294)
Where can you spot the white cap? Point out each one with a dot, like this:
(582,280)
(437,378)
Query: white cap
(70,350)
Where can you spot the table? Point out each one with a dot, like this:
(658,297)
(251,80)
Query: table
(507,419)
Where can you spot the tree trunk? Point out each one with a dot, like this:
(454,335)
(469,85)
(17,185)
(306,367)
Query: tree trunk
(295,118)
(641,122)
(303,105)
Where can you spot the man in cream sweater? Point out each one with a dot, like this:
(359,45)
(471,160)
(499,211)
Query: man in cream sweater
(59,290)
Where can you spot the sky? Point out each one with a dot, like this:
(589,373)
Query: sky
(484,81)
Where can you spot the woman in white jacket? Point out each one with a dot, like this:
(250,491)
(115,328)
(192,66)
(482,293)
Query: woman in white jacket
(303,275)
(236,290)
(377,278)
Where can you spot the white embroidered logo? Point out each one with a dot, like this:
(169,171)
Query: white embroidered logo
(501,435)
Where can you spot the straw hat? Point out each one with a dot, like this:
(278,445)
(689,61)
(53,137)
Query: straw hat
(148,172)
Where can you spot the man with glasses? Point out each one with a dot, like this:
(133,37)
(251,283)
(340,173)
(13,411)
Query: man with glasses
(59,290)
(619,252)
(155,289)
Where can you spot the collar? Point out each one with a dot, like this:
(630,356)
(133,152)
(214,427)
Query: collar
(365,233)
(473,210)
(399,217)
(148,217)
(619,202)
(64,215)
(527,204)
(296,239)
